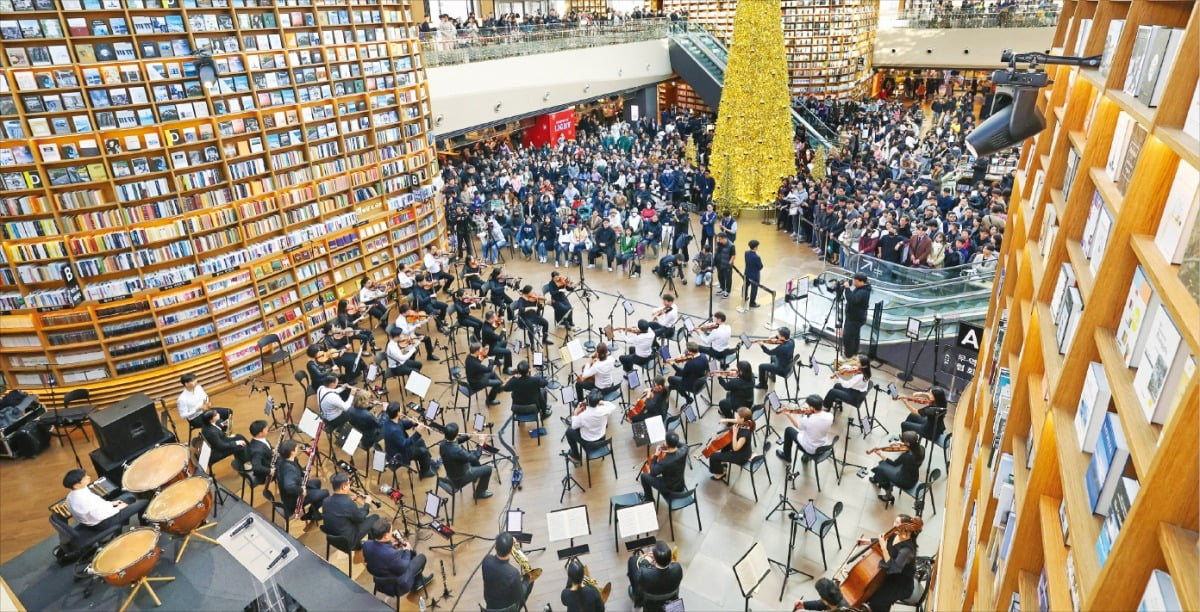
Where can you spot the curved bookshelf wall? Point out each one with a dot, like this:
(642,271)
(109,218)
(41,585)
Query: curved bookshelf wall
(196,220)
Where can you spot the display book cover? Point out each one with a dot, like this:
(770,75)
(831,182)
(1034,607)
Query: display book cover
(1107,465)
(1093,405)
(1166,365)
(1122,504)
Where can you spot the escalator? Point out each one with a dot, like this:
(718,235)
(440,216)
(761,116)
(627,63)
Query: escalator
(701,59)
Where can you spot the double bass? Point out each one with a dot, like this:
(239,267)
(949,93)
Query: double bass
(860,576)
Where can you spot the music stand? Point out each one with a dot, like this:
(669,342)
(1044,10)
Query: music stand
(750,571)
(418,383)
(788,570)
(634,520)
(568,524)
(514,524)
(433,507)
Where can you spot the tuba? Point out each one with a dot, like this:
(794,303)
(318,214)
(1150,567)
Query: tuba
(528,572)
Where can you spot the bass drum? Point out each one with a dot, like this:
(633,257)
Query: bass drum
(30,440)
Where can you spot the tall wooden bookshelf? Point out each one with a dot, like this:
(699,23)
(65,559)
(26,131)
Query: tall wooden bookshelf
(1022,408)
(198,220)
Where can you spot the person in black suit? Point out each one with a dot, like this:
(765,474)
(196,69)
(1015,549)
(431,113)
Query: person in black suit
(577,596)
(558,299)
(317,369)
(904,471)
(692,372)
(504,588)
(858,300)
(929,420)
(781,356)
(666,473)
(423,297)
(658,575)
(343,355)
(529,308)
(462,312)
(754,266)
(401,447)
(345,519)
(259,452)
(493,337)
(462,466)
(480,374)
(739,390)
(657,401)
(288,477)
(223,445)
(527,391)
(394,565)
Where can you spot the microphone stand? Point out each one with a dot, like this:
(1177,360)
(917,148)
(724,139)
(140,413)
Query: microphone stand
(52,382)
(584,292)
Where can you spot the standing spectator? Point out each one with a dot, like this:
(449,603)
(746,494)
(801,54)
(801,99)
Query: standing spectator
(723,261)
(754,266)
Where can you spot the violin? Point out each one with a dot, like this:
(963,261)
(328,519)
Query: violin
(681,358)
(608,330)
(564,283)
(413,317)
(916,399)
(775,341)
(724,373)
(805,410)
(722,439)
(898,447)
(324,356)
(707,327)
(663,311)
(846,371)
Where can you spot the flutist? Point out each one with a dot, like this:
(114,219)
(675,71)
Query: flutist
(397,570)
(462,466)
(334,401)
(343,517)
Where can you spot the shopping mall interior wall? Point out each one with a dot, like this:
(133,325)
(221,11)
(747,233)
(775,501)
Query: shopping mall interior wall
(956,48)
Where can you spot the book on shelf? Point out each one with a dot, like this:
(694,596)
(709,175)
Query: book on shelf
(1107,465)
(1100,236)
(1071,311)
(1122,504)
(1093,405)
(1065,280)
(1064,523)
(1164,360)
(1116,153)
(1084,30)
(1159,595)
(1140,304)
(1191,123)
(1043,591)
(1179,213)
(1111,39)
(1137,58)
(1072,582)
(1129,159)
(1161,52)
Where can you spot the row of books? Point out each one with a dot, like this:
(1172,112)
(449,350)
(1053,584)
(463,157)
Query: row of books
(76,5)
(1154,51)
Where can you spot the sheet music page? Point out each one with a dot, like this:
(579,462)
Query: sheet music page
(628,306)
(205,455)
(752,568)
(379,461)
(516,521)
(634,380)
(577,350)
(308,423)
(372,373)
(655,430)
(433,504)
(567,523)
(418,383)
(538,359)
(351,443)
(634,520)
(568,395)
(564,353)
(745,341)
(258,546)
(810,515)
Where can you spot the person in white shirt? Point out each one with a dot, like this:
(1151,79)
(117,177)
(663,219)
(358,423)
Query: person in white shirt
(714,341)
(433,265)
(93,511)
(399,358)
(603,371)
(404,279)
(193,401)
(643,346)
(810,431)
(588,426)
(372,297)
(334,401)
(665,319)
(409,328)
(852,384)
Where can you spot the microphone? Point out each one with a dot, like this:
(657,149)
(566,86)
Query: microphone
(282,555)
(245,525)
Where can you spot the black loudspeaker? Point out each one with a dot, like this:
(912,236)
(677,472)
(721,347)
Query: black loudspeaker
(127,427)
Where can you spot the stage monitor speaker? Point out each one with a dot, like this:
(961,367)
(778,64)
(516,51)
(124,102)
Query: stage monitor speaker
(127,427)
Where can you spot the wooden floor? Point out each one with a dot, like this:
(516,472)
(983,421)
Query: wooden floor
(732,520)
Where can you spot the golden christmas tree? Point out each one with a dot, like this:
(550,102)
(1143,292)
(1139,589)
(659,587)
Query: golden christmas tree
(689,151)
(818,169)
(752,148)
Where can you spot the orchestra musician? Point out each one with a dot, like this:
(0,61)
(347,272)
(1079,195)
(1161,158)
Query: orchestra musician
(480,374)
(334,401)
(462,305)
(401,447)
(493,336)
(193,401)
(347,321)
(737,452)
(529,309)
(435,266)
(340,350)
(601,373)
(853,383)
(829,595)
(903,471)
(929,420)
(394,566)
(424,300)
(714,337)
(288,478)
(399,352)
(659,575)
(694,370)
(665,469)
(657,401)
(504,587)
(462,466)
(93,511)
(588,425)
(404,279)
(781,356)
(407,322)
(899,551)
(372,296)
(664,320)
(344,518)
(494,289)
(739,390)
(362,419)
(641,341)
(259,452)
(557,290)
(810,429)
(527,391)
(321,364)
(578,596)
(224,445)
(472,274)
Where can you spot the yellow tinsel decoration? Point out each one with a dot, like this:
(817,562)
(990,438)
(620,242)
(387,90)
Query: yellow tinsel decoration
(819,170)
(752,147)
(689,151)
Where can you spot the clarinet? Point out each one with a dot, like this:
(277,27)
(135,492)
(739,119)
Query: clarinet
(312,450)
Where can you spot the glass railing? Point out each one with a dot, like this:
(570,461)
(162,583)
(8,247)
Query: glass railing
(822,128)
(538,39)
(1011,17)
(908,276)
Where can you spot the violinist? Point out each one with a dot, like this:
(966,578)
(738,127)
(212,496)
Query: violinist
(557,290)
(829,594)
(472,274)
(641,340)
(664,320)
(528,392)
(423,298)
(781,354)
(461,306)
(480,374)
(739,391)
(408,322)
(694,371)
(361,418)
(904,471)
(930,419)
(666,468)
(529,309)
(737,452)
(334,401)
(601,373)
(399,355)
(348,321)
(810,429)
(372,296)
(714,337)
(404,279)
(330,362)
(493,336)
(656,401)
(494,289)
(435,266)
(588,425)
(852,384)
(899,551)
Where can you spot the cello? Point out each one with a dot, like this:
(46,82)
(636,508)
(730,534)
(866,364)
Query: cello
(723,439)
(860,576)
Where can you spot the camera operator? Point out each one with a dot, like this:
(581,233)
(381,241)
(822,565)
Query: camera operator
(858,299)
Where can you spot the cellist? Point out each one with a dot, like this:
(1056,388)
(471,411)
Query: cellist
(739,449)
(656,402)
(898,548)
(666,468)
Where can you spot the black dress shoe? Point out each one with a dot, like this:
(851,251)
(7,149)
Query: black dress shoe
(760,386)
(484,495)
(432,358)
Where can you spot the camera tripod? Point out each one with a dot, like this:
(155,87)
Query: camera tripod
(837,311)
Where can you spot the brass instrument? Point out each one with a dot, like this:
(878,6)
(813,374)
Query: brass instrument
(529,572)
(605,591)
(645,559)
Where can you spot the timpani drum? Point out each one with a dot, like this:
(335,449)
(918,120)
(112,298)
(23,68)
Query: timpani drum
(127,559)
(157,468)
(181,507)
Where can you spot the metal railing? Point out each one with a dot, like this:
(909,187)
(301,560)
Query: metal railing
(1011,17)
(548,38)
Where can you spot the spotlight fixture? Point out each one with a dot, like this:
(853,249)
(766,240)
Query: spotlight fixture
(929,50)
(206,69)
(966,51)
(546,97)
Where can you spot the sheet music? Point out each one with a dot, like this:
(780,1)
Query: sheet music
(635,381)
(568,394)
(802,285)
(516,346)
(308,423)
(752,568)
(577,350)
(808,515)
(567,523)
(379,461)
(538,359)
(633,520)
(372,372)
(479,422)
(689,412)
(655,429)
(351,443)
(665,352)
(433,504)
(431,411)
(689,324)
(714,365)
(418,383)
(745,341)
(628,306)
(515,522)
(205,455)
(773,400)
